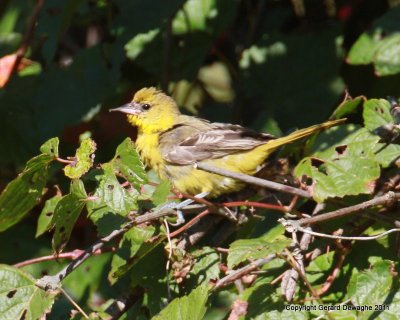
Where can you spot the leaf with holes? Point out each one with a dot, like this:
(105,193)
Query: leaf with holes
(376,113)
(346,168)
(20,298)
(50,147)
(66,213)
(24,192)
(378,118)
(83,160)
(45,217)
(127,162)
(191,307)
(110,192)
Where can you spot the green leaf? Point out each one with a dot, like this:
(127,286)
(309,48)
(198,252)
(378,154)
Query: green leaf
(135,244)
(373,287)
(250,249)
(50,147)
(206,265)
(161,193)
(118,199)
(83,160)
(191,307)
(387,57)
(20,298)
(283,315)
(348,106)
(364,49)
(66,213)
(127,162)
(346,168)
(195,16)
(376,113)
(45,217)
(24,192)
(380,46)
(319,266)
(377,117)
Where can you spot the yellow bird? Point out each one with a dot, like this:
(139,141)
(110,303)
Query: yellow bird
(171,143)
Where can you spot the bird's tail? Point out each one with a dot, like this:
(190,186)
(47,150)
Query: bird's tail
(276,143)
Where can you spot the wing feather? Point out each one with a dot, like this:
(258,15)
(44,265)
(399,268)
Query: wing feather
(188,143)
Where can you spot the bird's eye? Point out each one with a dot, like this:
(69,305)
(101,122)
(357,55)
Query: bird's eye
(146,106)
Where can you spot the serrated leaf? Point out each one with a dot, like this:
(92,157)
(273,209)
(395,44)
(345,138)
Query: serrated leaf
(377,117)
(66,213)
(135,244)
(346,168)
(20,298)
(373,287)
(191,307)
(161,193)
(110,192)
(376,113)
(127,162)
(50,147)
(46,215)
(83,160)
(24,192)
(250,249)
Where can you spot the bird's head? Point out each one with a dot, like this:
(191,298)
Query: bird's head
(151,110)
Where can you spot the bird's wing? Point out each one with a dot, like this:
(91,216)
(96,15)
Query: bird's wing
(188,143)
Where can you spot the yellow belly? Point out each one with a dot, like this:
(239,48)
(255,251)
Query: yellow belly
(193,181)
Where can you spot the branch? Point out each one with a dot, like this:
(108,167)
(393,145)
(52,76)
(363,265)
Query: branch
(65,255)
(387,200)
(253,180)
(53,282)
(237,274)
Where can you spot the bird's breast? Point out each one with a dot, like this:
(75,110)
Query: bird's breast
(148,147)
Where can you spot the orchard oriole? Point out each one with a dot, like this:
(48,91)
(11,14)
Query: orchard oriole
(171,143)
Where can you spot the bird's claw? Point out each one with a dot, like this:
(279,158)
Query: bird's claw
(180,219)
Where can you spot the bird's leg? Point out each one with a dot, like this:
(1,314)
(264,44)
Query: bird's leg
(178,206)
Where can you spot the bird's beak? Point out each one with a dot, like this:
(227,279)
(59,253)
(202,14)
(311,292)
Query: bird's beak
(129,108)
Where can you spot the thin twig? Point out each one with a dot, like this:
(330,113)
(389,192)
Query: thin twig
(61,160)
(331,278)
(253,180)
(255,204)
(65,255)
(53,282)
(169,257)
(331,236)
(189,224)
(386,200)
(237,274)
(69,298)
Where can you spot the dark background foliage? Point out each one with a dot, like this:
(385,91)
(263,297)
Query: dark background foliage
(273,65)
